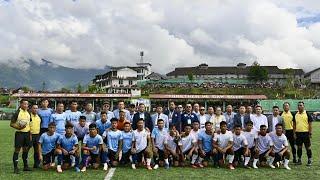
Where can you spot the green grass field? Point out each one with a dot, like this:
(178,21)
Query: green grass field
(297,172)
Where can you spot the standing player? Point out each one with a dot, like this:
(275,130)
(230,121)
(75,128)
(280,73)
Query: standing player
(21,123)
(60,119)
(205,144)
(263,149)
(103,123)
(47,145)
(280,148)
(251,139)
(140,144)
(113,137)
(73,114)
(91,116)
(187,145)
(223,143)
(92,147)
(289,118)
(35,131)
(302,126)
(127,136)
(66,148)
(240,145)
(45,114)
(157,139)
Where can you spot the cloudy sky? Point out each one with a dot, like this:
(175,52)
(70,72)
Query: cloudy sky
(95,33)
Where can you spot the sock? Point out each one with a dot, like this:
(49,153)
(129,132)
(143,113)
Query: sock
(25,158)
(36,158)
(231,157)
(200,159)
(299,152)
(309,153)
(166,161)
(76,161)
(246,160)
(60,157)
(148,161)
(286,162)
(255,162)
(156,159)
(15,159)
(194,158)
(271,160)
(134,158)
(85,160)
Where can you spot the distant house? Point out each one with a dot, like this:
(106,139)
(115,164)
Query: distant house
(156,77)
(313,76)
(122,79)
(241,71)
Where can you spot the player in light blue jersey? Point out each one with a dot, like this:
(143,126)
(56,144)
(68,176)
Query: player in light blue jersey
(68,147)
(45,113)
(113,137)
(73,114)
(128,137)
(103,124)
(158,136)
(47,145)
(60,119)
(205,140)
(92,147)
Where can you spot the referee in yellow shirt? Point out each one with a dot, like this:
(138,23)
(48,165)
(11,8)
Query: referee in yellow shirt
(35,130)
(21,122)
(289,118)
(303,132)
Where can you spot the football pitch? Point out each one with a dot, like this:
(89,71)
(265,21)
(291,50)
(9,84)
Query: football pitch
(297,172)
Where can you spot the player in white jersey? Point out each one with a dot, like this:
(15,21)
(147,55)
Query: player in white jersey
(140,144)
(240,145)
(280,148)
(251,137)
(158,136)
(263,149)
(195,132)
(186,144)
(170,144)
(223,143)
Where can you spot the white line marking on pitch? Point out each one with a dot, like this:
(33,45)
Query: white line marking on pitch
(110,174)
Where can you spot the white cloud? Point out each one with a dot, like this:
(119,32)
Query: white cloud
(92,34)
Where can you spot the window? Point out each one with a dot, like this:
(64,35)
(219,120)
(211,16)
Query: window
(120,81)
(114,73)
(130,82)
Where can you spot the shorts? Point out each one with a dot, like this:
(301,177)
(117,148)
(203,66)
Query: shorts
(262,157)
(252,151)
(48,158)
(35,140)
(303,138)
(160,154)
(22,139)
(125,157)
(208,156)
(289,134)
(238,154)
(94,158)
(277,157)
(112,155)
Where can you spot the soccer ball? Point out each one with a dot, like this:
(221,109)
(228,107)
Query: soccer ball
(22,123)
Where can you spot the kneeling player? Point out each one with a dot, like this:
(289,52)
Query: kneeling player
(205,144)
(170,147)
(68,147)
(157,139)
(280,148)
(187,145)
(127,136)
(140,144)
(47,145)
(92,147)
(251,139)
(114,141)
(240,145)
(223,143)
(263,149)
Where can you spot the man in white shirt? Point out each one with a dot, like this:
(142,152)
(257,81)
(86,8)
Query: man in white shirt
(159,115)
(259,119)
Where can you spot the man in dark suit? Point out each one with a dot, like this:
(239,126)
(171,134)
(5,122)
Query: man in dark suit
(174,116)
(144,115)
(241,118)
(188,117)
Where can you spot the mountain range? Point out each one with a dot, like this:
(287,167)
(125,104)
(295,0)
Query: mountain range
(45,75)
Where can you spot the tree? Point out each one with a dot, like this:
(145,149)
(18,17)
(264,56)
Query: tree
(190,77)
(79,88)
(289,74)
(257,73)
(65,90)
